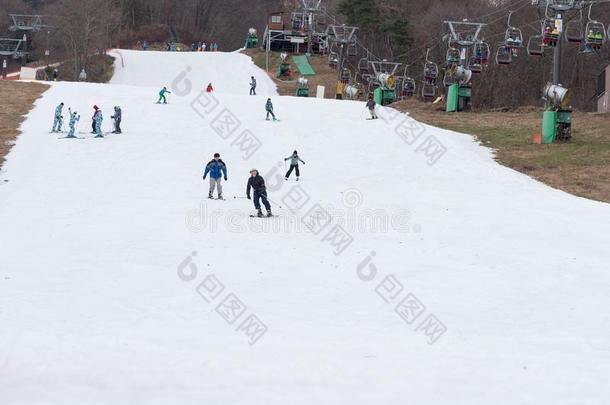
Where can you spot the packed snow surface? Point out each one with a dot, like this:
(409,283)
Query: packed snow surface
(121,283)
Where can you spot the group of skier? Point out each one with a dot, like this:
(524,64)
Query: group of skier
(217,170)
(96,121)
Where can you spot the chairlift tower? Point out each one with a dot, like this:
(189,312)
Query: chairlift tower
(342,36)
(557,119)
(311,8)
(464,34)
(26,22)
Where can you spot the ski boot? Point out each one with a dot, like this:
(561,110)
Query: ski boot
(297,179)
(269,214)
(220,197)
(259,213)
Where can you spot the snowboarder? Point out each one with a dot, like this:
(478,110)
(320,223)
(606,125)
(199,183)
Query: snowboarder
(145,45)
(74,118)
(162,95)
(257,183)
(294,164)
(95,108)
(98,123)
(55,74)
(58,118)
(269,109)
(252,86)
(371,106)
(217,170)
(118,114)
(209,89)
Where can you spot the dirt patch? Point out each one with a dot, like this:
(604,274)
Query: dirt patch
(13,109)
(580,167)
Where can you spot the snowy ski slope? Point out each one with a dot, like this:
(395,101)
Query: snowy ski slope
(102,301)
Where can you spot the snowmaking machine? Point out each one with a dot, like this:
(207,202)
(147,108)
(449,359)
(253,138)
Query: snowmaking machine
(251,39)
(302,87)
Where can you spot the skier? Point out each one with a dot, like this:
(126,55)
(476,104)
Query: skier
(145,45)
(371,106)
(252,86)
(118,114)
(58,118)
(162,95)
(95,108)
(269,109)
(294,164)
(74,118)
(98,123)
(217,169)
(209,89)
(257,183)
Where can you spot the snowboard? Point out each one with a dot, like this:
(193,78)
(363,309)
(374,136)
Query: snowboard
(264,216)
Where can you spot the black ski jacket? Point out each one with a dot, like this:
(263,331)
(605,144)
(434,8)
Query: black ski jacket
(257,183)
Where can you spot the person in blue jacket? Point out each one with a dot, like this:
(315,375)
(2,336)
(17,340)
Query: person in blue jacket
(217,170)
(269,109)
(74,118)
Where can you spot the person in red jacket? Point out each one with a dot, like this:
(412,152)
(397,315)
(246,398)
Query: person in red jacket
(209,89)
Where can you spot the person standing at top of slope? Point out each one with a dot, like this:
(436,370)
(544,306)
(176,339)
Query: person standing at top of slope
(74,118)
(252,86)
(58,118)
(95,108)
(257,183)
(117,117)
(98,123)
(162,95)
(209,89)
(269,109)
(370,104)
(217,169)
(294,164)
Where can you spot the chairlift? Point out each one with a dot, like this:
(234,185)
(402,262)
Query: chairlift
(346,75)
(333,60)
(504,55)
(474,66)
(481,53)
(428,91)
(513,38)
(574,30)
(550,33)
(535,45)
(453,56)
(430,70)
(352,50)
(363,65)
(408,87)
(595,32)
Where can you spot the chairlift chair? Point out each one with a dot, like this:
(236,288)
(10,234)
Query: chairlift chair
(333,60)
(513,38)
(428,91)
(550,33)
(352,50)
(504,55)
(453,56)
(595,34)
(430,72)
(474,66)
(408,87)
(574,30)
(481,53)
(535,45)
